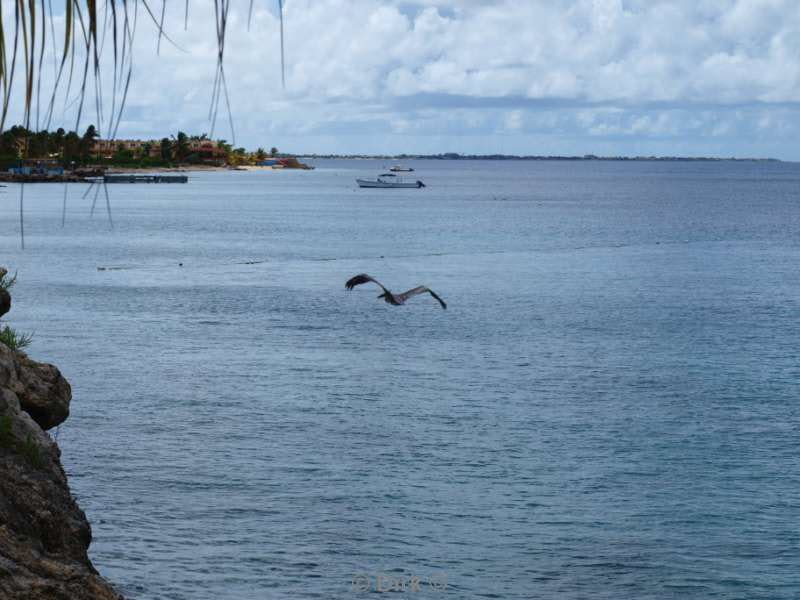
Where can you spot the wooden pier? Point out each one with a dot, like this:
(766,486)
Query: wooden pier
(128,178)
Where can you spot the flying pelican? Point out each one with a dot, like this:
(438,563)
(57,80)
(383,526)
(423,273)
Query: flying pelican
(394,299)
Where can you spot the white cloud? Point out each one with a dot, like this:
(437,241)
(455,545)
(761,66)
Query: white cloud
(641,68)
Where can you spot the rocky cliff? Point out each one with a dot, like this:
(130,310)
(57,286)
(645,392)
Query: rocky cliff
(44,535)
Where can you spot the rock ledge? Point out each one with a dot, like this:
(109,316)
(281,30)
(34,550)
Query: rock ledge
(44,535)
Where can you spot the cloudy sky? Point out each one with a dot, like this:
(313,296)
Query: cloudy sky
(679,77)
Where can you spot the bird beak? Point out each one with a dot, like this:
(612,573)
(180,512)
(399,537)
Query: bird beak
(381,296)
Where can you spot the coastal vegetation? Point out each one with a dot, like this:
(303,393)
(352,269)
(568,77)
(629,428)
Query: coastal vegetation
(14,340)
(8,335)
(70,149)
(28,448)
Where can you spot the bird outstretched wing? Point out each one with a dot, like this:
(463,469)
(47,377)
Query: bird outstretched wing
(362,278)
(420,290)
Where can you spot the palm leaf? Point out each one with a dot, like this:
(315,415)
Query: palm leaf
(87,25)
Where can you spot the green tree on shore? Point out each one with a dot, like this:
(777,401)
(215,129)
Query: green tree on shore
(72,147)
(224,145)
(181,146)
(166,149)
(19,142)
(87,142)
(123,155)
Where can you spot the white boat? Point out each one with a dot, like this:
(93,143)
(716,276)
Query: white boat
(389,180)
(401,169)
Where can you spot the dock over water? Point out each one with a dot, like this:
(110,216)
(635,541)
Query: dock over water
(126,178)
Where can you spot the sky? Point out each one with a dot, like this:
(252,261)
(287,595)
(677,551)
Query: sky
(545,77)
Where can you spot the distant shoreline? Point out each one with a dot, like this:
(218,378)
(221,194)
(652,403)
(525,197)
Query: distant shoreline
(183,168)
(586,157)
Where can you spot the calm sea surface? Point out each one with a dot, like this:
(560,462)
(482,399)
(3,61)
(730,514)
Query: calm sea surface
(609,408)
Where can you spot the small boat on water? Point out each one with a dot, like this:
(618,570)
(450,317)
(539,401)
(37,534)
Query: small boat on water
(389,180)
(401,169)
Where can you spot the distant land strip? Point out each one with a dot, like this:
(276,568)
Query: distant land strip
(457,156)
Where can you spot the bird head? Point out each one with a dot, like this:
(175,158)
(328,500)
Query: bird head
(383,295)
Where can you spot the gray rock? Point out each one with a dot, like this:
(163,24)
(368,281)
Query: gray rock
(44,535)
(43,393)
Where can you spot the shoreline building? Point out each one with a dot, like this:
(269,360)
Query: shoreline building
(206,150)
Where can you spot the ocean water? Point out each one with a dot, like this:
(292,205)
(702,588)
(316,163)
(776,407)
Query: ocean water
(608,408)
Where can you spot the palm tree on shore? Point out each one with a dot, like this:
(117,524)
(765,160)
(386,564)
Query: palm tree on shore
(166,149)
(181,146)
(87,142)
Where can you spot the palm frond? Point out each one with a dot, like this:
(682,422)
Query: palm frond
(88,27)
(283,63)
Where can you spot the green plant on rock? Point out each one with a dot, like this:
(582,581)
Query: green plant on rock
(28,449)
(14,340)
(31,452)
